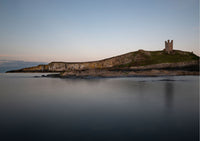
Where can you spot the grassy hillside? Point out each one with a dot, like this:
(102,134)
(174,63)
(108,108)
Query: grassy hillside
(132,59)
(142,58)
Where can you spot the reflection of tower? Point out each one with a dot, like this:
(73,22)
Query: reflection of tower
(169,94)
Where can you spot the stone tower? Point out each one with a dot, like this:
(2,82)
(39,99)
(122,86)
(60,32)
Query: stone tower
(169,46)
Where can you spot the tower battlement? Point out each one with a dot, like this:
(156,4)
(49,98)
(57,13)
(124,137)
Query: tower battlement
(169,46)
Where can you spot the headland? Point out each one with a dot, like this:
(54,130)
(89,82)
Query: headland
(138,63)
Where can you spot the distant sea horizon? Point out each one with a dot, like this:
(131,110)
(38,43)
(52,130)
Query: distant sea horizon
(7,65)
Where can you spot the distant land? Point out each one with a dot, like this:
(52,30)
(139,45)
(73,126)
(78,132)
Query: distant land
(138,63)
(6,65)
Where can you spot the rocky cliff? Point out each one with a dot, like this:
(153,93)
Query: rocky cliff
(138,60)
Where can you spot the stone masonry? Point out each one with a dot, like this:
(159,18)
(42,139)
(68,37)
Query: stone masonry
(169,46)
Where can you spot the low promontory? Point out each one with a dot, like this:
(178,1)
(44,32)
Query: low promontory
(138,63)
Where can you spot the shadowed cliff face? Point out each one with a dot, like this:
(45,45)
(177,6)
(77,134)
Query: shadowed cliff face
(125,61)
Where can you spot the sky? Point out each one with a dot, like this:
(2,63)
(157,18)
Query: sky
(87,30)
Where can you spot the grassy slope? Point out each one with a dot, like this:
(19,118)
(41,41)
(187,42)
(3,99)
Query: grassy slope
(142,58)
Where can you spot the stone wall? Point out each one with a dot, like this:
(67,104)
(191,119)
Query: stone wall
(169,46)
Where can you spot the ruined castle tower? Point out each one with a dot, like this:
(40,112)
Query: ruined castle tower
(169,46)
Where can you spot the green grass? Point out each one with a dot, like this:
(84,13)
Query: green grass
(157,57)
(176,56)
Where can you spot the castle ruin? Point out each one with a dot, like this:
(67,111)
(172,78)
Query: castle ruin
(169,46)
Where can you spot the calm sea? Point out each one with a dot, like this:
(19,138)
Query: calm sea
(103,109)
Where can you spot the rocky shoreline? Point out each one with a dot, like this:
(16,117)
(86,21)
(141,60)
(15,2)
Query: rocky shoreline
(164,69)
(139,63)
(113,74)
(178,69)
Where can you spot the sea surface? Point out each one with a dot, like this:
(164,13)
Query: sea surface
(99,109)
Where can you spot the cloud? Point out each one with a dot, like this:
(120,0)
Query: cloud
(6,55)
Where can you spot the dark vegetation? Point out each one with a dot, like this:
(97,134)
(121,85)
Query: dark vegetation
(142,58)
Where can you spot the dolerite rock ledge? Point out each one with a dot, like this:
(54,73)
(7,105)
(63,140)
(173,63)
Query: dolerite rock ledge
(138,63)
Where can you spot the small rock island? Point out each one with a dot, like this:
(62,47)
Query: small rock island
(138,63)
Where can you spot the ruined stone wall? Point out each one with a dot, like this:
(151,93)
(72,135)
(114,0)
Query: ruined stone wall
(169,46)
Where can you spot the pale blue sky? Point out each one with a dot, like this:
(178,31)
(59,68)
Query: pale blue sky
(85,30)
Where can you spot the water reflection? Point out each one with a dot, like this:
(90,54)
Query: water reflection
(169,94)
(120,109)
